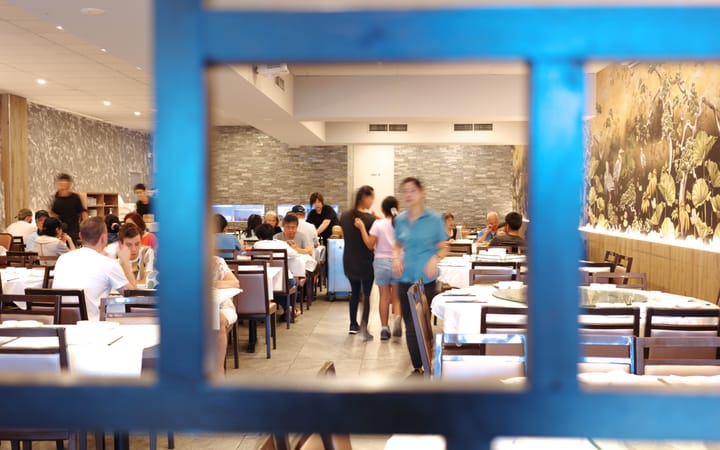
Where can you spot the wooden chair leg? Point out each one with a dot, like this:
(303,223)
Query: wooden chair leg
(267,335)
(59,444)
(153,440)
(14,445)
(288,304)
(171,440)
(274,330)
(99,440)
(234,334)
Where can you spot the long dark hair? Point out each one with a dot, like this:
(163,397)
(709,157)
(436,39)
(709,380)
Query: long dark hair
(253,222)
(389,204)
(363,191)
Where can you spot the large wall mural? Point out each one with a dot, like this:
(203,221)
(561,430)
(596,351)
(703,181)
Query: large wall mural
(653,150)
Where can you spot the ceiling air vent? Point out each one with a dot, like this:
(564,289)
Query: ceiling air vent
(397,127)
(463,127)
(483,127)
(378,127)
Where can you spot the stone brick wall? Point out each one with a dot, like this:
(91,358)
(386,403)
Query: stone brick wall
(101,157)
(466,180)
(250,167)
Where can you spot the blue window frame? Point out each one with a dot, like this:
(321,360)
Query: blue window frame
(556,41)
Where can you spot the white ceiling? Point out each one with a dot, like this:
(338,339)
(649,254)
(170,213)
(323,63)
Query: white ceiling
(80,76)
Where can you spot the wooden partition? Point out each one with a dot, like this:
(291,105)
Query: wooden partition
(669,268)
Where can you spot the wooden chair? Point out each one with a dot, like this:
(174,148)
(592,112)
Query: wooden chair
(595,358)
(502,319)
(420,312)
(21,259)
(28,436)
(140,293)
(129,309)
(18,244)
(223,252)
(6,240)
(461,356)
(463,249)
(622,279)
(697,366)
(670,322)
(316,441)
(278,258)
(621,320)
(253,303)
(48,276)
(70,312)
(43,308)
(490,275)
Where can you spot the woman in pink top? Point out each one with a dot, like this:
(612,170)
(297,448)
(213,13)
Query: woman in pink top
(382,239)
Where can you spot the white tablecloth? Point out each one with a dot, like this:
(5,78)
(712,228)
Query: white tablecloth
(461,314)
(94,349)
(16,279)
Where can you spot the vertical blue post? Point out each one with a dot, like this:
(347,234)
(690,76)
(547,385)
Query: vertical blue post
(182,181)
(555,192)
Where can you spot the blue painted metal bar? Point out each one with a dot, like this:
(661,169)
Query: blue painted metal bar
(461,34)
(182,181)
(556,167)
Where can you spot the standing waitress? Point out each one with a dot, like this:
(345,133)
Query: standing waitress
(420,243)
(358,259)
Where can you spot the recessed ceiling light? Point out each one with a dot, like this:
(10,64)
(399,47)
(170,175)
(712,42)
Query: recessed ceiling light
(106,103)
(137,113)
(41,81)
(138,67)
(103,50)
(92,11)
(59,27)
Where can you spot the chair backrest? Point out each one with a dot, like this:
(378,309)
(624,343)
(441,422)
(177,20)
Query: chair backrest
(18,244)
(21,259)
(140,293)
(16,341)
(613,257)
(623,353)
(672,319)
(43,308)
(129,309)
(464,249)
(489,275)
(6,240)
(274,258)
(48,276)
(502,319)
(621,320)
(626,280)
(70,312)
(229,254)
(462,356)
(254,298)
(679,365)
(423,327)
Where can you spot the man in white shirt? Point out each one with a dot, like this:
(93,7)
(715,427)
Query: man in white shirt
(89,269)
(23,226)
(305,227)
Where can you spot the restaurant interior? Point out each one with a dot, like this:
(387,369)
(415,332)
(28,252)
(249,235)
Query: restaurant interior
(77,96)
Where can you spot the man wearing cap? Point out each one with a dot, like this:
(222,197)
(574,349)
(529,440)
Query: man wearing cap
(304,227)
(40,216)
(23,227)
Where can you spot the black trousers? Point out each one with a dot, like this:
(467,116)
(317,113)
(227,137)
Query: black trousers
(410,333)
(360,287)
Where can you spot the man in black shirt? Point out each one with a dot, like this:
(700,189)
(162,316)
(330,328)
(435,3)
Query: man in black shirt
(68,206)
(142,206)
(511,237)
(322,216)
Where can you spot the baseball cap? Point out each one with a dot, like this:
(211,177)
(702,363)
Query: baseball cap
(298,209)
(23,213)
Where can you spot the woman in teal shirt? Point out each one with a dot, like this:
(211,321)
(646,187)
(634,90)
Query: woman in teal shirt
(420,243)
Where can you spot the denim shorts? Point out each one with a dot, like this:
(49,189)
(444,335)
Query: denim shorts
(383,272)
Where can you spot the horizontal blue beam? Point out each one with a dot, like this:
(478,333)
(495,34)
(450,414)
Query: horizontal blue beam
(513,33)
(628,415)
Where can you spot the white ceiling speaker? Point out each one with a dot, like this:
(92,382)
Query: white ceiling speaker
(272,70)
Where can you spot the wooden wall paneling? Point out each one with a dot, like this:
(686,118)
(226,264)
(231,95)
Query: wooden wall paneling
(670,268)
(14,154)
